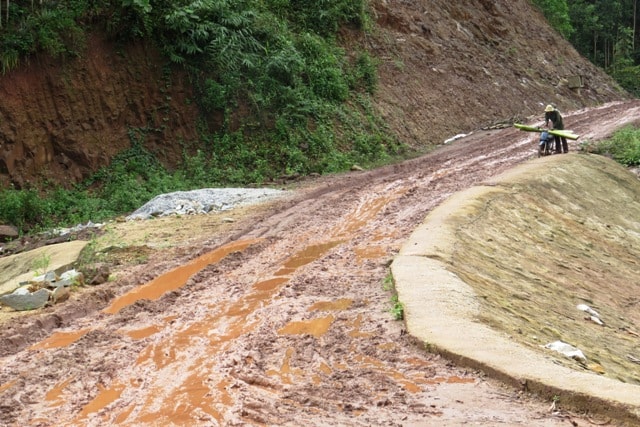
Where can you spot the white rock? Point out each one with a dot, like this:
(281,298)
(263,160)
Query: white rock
(453,138)
(587,309)
(70,274)
(203,201)
(566,349)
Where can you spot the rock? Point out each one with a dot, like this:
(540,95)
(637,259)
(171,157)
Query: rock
(19,267)
(100,276)
(202,201)
(30,301)
(594,316)
(8,232)
(60,294)
(596,319)
(63,232)
(455,137)
(66,283)
(47,287)
(66,279)
(50,276)
(74,276)
(567,349)
(22,291)
(587,309)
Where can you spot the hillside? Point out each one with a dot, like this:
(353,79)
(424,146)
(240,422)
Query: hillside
(445,68)
(451,67)
(281,314)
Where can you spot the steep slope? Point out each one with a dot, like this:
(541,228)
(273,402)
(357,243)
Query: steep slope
(445,67)
(64,120)
(449,67)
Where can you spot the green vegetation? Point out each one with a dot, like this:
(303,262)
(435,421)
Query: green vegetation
(605,31)
(41,264)
(387,284)
(623,146)
(397,309)
(557,14)
(52,27)
(277,93)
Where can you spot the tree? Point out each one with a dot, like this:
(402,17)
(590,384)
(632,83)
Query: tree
(557,14)
(587,28)
(635,14)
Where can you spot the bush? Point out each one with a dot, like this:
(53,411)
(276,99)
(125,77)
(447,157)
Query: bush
(623,146)
(365,73)
(51,27)
(22,208)
(629,79)
(269,71)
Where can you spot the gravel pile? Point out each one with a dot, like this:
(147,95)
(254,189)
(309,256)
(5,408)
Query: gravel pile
(203,201)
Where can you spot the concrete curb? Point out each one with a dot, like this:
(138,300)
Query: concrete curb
(441,311)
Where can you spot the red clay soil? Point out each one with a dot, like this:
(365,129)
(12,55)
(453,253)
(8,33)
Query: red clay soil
(282,319)
(444,68)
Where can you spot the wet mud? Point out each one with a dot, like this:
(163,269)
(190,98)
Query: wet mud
(283,320)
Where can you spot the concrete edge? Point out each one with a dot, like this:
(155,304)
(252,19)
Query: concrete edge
(441,311)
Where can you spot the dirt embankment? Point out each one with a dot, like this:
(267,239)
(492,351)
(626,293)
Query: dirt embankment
(445,68)
(62,120)
(449,67)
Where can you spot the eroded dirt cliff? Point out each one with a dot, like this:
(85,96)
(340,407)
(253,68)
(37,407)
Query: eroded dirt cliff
(445,68)
(64,120)
(449,67)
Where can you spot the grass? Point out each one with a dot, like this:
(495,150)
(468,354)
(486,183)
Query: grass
(397,309)
(298,102)
(41,264)
(623,146)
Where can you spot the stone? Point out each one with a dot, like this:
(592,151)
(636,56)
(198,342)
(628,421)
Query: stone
(23,302)
(61,283)
(567,350)
(74,276)
(60,294)
(50,276)
(101,276)
(8,232)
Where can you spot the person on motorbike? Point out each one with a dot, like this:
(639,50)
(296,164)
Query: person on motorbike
(551,114)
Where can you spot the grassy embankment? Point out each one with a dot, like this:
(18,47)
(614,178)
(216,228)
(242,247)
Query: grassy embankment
(293,100)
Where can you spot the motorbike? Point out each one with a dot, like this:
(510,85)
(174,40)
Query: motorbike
(546,144)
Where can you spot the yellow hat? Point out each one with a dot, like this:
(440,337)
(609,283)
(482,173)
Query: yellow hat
(548,108)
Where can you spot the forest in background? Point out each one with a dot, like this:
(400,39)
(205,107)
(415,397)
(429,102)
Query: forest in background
(604,31)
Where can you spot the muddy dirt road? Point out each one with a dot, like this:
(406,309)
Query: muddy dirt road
(283,319)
